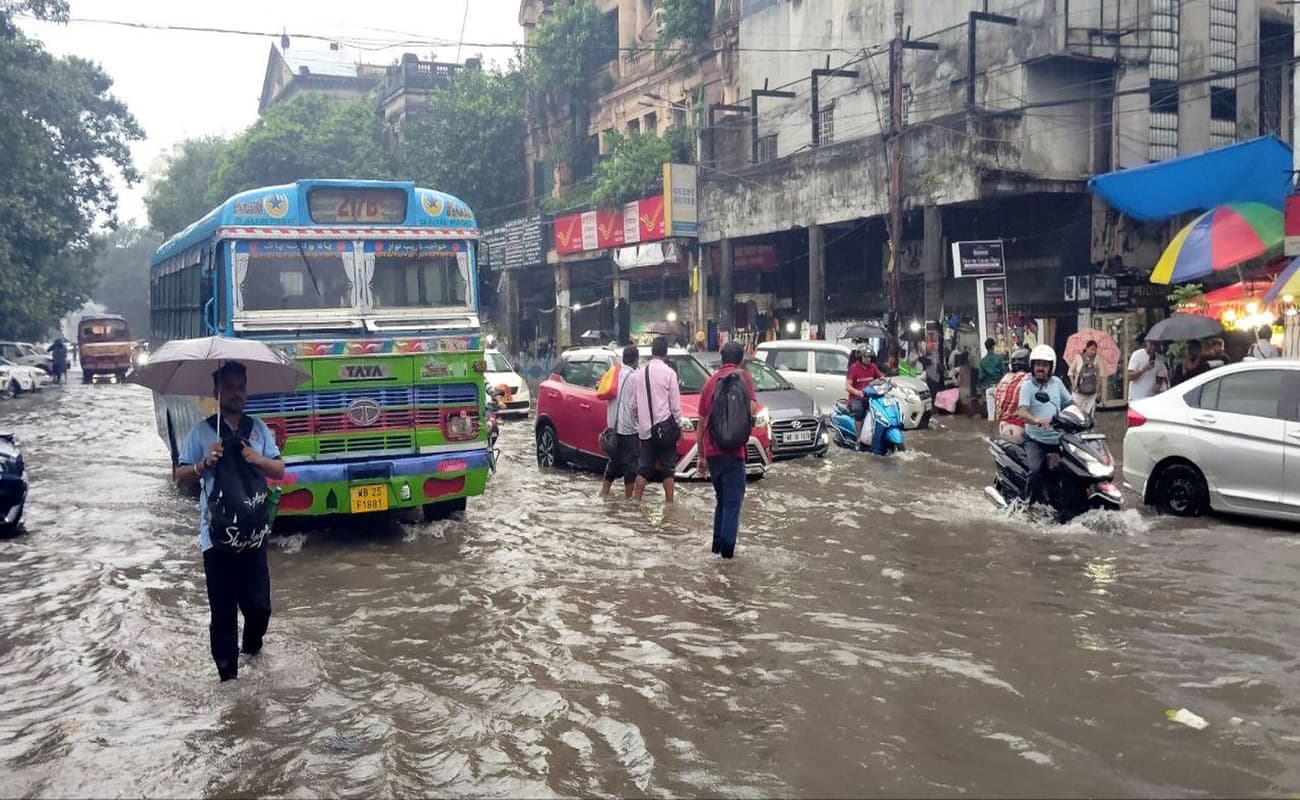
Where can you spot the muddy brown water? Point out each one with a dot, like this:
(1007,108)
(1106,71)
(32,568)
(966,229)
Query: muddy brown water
(883,632)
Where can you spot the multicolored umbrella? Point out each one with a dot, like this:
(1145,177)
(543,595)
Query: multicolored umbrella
(1221,238)
(1286,283)
(1108,354)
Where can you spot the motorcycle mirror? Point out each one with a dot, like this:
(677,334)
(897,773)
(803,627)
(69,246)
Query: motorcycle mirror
(1043,397)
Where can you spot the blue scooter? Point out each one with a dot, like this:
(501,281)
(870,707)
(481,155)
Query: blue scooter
(884,421)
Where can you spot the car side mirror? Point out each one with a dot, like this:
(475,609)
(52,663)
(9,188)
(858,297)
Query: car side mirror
(1043,397)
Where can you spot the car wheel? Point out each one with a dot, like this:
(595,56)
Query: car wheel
(447,509)
(1181,491)
(548,447)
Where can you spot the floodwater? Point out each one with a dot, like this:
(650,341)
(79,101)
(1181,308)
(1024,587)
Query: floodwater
(883,631)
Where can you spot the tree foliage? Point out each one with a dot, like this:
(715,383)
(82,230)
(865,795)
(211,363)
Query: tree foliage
(122,264)
(61,132)
(634,166)
(470,143)
(310,136)
(566,50)
(179,195)
(684,21)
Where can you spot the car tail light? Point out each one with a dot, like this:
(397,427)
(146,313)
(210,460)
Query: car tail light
(1135,419)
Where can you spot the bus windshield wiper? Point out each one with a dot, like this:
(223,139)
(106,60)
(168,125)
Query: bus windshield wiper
(310,274)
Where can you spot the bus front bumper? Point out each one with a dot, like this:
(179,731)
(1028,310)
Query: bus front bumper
(357,487)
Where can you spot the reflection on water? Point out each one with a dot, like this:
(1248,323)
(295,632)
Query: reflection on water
(883,631)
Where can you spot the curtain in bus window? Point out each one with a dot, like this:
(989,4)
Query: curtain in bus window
(419,274)
(289,275)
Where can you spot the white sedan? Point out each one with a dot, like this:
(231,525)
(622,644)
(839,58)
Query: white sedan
(19,378)
(500,372)
(1227,440)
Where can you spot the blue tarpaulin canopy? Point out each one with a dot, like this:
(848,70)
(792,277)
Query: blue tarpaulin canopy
(1256,171)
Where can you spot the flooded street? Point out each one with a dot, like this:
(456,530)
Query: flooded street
(883,631)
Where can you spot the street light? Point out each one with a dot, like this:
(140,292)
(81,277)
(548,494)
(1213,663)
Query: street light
(791,327)
(577,306)
(671,316)
(915,327)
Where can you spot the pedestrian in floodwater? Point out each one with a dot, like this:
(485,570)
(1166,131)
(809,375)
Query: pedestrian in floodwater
(724,467)
(59,356)
(237,580)
(620,415)
(659,419)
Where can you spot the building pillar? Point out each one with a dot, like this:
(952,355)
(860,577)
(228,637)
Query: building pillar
(932,261)
(817,280)
(726,290)
(563,308)
(508,302)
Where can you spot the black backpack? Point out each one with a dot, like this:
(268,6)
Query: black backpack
(729,416)
(1088,378)
(238,512)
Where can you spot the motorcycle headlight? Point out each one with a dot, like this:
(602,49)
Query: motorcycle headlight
(690,424)
(1096,467)
(142,358)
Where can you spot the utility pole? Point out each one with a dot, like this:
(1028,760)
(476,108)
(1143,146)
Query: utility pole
(896,48)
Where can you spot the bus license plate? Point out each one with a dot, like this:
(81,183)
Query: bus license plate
(796,437)
(369,498)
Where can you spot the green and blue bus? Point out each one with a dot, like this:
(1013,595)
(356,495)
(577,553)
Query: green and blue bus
(371,286)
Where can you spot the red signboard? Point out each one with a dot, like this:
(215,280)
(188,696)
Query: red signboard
(604,229)
(1292,226)
(746,258)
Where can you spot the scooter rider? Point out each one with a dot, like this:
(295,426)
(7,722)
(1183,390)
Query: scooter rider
(1006,398)
(862,371)
(1040,438)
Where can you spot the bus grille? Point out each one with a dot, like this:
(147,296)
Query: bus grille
(385,442)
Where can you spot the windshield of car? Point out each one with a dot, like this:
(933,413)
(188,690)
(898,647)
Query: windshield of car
(765,378)
(496,362)
(4,362)
(690,374)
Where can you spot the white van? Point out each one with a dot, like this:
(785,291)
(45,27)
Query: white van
(820,368)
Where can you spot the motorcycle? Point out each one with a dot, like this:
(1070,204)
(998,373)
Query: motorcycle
(1076,478)
(13,484)
(882,431)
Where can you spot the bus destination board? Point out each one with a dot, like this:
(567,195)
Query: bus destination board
(337,204)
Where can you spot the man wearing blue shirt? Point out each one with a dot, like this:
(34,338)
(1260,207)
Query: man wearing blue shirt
(236,581)
(1040,437)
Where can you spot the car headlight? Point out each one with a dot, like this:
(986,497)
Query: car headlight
(142,358)
(690,424)
(763,418)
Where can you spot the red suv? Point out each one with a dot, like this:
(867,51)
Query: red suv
(570,417)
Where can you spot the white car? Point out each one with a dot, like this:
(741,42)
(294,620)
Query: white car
(1227,440)
(27,354)
(19,378)
(501,372)
(819,370)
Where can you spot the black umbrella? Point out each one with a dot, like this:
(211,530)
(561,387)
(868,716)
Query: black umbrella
(865,331)
(665,328)
(1182,327)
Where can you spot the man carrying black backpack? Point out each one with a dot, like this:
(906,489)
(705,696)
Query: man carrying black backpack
(231,456)
(727,406)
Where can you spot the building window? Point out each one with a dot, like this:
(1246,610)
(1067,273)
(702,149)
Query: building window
(826,124)
(633,127)
(1162,133)
(1223,61)
(679,118)
(767,147)
(651,124)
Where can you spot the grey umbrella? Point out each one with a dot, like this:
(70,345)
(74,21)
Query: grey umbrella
(1182,327)
(665,328)
(865,331)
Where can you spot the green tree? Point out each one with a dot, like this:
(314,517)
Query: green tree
(470,143)
(684,21)
(310,136)
(122,263)
(634,166)
(179,195)
(61,132)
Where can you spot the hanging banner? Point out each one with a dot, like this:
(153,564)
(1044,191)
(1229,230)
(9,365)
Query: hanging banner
(1291,226)
(991,295)
(680,205)
(639,221)
(978,259)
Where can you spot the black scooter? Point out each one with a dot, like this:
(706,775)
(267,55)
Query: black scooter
(1078,477)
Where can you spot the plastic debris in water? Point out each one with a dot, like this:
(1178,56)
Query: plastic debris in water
(1185,717)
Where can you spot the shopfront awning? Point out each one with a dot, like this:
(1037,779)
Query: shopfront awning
(1255,171)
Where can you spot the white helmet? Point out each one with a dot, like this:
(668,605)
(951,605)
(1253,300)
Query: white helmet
(1043,352)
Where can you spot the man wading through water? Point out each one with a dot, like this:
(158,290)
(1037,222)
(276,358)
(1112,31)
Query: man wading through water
(726,421)
(237,580)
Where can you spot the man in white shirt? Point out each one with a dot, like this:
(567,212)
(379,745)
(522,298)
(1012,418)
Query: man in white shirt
(1263,346)
(1144,371)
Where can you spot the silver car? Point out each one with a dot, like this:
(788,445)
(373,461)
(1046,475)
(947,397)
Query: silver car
(1227,440)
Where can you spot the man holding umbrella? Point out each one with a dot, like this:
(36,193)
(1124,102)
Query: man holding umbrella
(237,580)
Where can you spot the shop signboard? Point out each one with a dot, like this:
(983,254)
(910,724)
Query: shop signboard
(992,298)
(983,259)
(514,244)
(639,221)
(680,203)
(1291,226)
(1105,291)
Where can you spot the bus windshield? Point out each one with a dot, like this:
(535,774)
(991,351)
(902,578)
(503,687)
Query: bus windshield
(296,276)
(103,330)
(418,280)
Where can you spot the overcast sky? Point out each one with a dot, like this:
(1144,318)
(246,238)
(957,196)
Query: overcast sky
(182,84)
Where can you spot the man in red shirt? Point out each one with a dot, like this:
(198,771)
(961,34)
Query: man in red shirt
(1006,398)
(862,371)
(725,469)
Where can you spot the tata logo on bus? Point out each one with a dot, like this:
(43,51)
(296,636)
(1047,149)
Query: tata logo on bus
(364,372)
(364,412)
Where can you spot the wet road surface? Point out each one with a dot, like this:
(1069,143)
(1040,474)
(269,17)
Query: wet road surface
(883,631)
